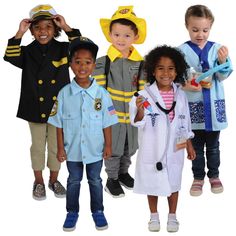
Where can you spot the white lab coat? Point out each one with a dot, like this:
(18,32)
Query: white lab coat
(158,142)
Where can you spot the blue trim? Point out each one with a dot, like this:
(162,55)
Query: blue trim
(203,58)
(207,109)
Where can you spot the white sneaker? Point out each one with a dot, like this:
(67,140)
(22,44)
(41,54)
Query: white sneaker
(172,225)
(154,225)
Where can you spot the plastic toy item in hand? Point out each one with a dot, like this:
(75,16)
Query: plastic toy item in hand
(197,78)
(192,75)
(145,102)
(194,83)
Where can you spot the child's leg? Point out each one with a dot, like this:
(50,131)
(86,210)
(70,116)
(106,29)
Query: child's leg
(172,223)
(198,165)
(125,161)
(38,177)
(172,201)
(52,162)
(154,223)
(53,176)
(37,149)
(75,170)
(152,201)
(213,153)
(93,171)
(213,160)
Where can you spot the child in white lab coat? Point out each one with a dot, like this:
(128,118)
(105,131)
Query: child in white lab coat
(164,131)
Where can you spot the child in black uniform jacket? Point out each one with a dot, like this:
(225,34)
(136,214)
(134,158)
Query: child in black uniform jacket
(44,64)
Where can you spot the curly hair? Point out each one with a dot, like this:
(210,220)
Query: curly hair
(154,56)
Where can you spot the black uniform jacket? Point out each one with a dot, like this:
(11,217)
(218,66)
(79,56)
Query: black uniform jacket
(45,70)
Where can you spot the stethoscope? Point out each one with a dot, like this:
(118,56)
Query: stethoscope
(159,165)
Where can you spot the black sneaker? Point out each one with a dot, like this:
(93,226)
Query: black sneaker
(113,188)
(126,180)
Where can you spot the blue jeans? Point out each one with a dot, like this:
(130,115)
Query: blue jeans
(210,139)
(93,171)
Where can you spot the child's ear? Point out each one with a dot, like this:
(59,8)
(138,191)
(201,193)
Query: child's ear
(136,38)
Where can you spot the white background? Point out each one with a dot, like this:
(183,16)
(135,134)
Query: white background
(208,214)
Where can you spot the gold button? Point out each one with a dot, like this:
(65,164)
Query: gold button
(54,98)
(43,115)
(40,81)
(41,99)
(53,81)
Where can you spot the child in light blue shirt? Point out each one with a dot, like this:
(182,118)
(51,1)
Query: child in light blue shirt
(83,115)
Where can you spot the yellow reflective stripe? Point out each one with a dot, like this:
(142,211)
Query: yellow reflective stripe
(119,92)
(121,99)
(63,61)
(101,82)
(124,121)
(142,82)
(122,114)
(99,76)
(12,55)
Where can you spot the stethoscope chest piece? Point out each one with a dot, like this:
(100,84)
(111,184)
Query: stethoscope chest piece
(159,166)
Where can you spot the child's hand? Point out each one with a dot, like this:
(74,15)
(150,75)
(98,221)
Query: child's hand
(61,23)
(222,54)
(23,27)
(190,151)
(139,103)
(189,87)
(140,113)
(107,152)
(61,155)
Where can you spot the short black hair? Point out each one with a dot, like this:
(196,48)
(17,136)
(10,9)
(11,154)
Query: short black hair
(126,22)
(154,56)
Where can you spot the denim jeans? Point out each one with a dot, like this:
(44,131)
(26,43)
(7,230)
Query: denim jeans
(93,171)
(210,140)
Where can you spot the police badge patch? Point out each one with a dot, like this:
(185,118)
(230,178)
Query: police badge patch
(98,104)
(54,109)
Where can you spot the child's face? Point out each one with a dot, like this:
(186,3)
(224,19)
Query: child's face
(199,30)
(122,37)
(43,31)
(165,73)
(82,64)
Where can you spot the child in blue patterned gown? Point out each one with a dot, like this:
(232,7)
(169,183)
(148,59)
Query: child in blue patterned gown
(207,100)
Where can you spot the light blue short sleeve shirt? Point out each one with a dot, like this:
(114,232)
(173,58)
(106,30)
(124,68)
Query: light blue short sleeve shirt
(83,114)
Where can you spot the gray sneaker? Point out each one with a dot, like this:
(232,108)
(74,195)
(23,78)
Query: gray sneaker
(39,192)
(58,189)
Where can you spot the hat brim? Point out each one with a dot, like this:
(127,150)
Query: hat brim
(139,22)
(41,17)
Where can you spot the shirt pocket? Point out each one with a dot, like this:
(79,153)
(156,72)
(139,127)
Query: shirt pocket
(95,123)
(71,123)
